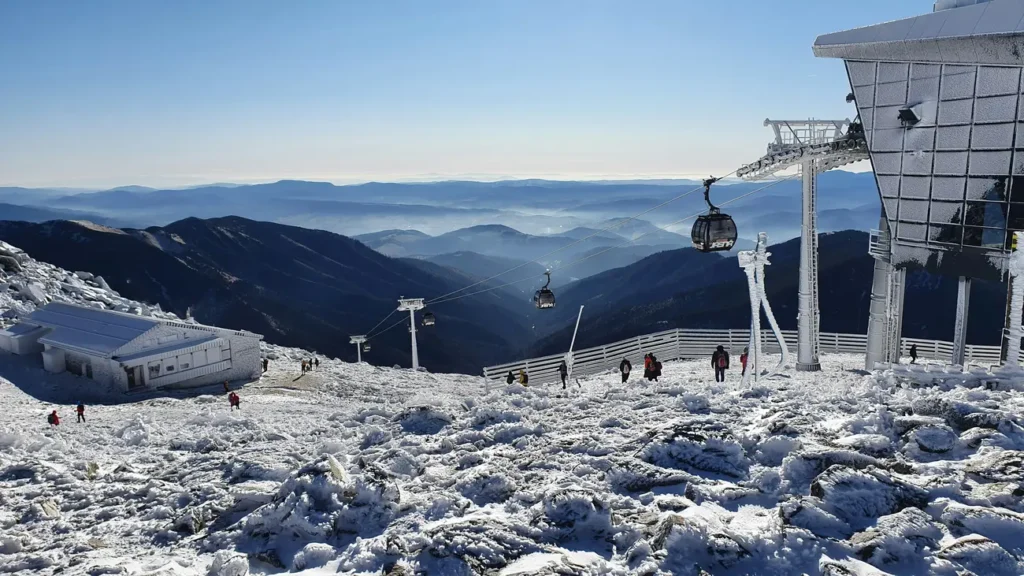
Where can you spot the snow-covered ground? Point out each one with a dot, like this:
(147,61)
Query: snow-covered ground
(354,469)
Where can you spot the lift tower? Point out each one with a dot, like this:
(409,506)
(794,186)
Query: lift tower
(815,146)
(358,341)
(412,305)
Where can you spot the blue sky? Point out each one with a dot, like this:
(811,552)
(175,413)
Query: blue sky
(106,93)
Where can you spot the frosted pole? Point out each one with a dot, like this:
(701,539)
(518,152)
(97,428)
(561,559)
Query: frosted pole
(762,261)
(358,341)
(1015,305)
(807,315)
(963,302)
(748,260)
(568,355)
(412,333)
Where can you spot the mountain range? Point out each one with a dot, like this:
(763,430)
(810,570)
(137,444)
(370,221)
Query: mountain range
(296,286)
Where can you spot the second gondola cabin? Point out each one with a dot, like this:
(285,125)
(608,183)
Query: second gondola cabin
(428,319)
(545,298)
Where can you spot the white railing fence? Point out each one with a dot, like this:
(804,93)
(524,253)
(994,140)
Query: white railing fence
(680,344)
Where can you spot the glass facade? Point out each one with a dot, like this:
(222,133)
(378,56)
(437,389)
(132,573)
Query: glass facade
(954,181)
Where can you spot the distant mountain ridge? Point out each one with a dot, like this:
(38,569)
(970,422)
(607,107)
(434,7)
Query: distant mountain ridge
(296,286)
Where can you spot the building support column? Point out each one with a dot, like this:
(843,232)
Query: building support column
(807,315)
(1013,331)
(877,321)
(963,302)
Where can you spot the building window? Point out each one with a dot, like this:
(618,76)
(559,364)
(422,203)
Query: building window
(154,371)
(170,368)
(184,365)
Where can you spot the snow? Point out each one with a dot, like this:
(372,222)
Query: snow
(355,469)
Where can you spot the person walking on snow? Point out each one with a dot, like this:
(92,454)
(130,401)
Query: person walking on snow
(523,378)
(624,368)
(316,363)
(913,353)
(266,362)
(235,401)
(80,409)
(510,378)
(720,362)
(53,419)
(648,366)
(743,361)
(563,373)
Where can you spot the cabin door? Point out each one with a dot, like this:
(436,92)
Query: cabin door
(132,381)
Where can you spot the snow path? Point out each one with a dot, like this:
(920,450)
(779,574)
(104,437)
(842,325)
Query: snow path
(353,469)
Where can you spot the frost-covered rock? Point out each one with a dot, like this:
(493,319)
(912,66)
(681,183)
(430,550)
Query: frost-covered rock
(981,556)
(899,537)
(800,468)
(872,444)
(860,496)
(1005,527)
(934,438)
(484,485)
(698,444)
(998,466)
(573,513)
(481,542)
(423,420)
(313,555)
(626,474)
(806,512)
(321,500)
(847,567)
(227,563)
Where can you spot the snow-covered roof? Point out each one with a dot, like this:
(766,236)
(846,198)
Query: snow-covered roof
(89,330)
(19,330)
(986,33)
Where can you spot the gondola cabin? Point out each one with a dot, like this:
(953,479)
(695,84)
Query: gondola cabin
(714,233)
(545,298)
(428,319)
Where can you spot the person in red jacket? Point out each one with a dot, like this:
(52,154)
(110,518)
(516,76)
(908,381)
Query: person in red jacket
(235,401)
(743,361)
(53,419)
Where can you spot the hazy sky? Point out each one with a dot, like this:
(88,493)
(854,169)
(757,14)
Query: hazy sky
(105,93)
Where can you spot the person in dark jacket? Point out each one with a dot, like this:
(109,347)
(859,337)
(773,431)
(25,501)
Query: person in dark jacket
(80,409)
(266,362)
(53,419)
(563,373)
(624,368)
(510,378)
(913,353)
(316,363)
(720,362)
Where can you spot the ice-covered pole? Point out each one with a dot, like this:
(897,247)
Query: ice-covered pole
(762,261)
(412,305)
(568,355)
(358,341)
(1013,320)
(748,261)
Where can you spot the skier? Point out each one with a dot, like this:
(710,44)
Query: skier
(234,400)
(624,368)
(720,362)
(913,353)
(510,378)
(563,372)
(316,363)
(266,362)
(743,361)
(53,419)
(523,378)
(81,412)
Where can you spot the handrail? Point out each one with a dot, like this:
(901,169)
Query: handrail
(688,344)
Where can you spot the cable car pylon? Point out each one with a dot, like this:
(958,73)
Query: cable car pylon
(412,305)
(358,341)
(816,146)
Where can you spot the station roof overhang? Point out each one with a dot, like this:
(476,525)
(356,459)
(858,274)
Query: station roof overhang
(988,33)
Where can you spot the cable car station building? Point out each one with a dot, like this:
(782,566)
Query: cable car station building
(941,100)
(135,352)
